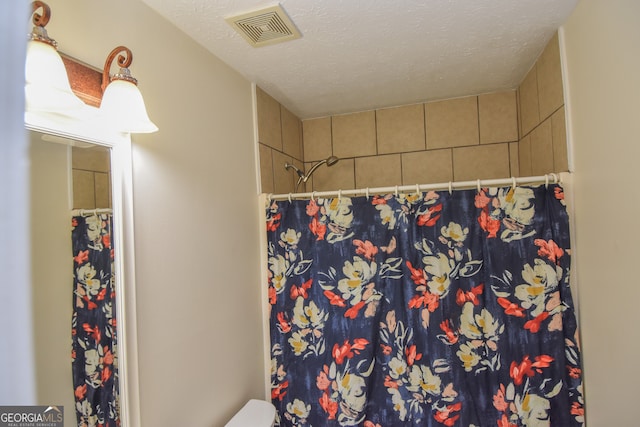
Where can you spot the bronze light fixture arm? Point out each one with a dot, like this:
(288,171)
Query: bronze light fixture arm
(39,33)
(40,20)
(124,61)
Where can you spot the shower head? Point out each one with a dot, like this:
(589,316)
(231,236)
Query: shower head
(332,160)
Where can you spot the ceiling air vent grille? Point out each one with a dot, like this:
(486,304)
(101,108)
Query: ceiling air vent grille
(265,26)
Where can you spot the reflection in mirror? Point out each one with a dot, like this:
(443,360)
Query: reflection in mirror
(66,175)
(83,164)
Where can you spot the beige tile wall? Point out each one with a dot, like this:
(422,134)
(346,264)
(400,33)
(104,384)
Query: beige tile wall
(516,132)
(91,177)
(543,141)
(453,140)
(280,142)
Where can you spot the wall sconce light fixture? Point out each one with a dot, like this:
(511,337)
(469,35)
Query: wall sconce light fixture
(122,103)
(47,87)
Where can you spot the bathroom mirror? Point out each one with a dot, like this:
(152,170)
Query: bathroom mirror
(57,147)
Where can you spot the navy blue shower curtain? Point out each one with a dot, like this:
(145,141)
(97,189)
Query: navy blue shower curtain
(94,340)
(430,309)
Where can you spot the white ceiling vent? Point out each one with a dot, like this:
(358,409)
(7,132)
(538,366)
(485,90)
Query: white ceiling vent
(265,26)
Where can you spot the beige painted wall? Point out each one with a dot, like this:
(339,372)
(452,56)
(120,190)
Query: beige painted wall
(603,69)
(52,273)
(197,254)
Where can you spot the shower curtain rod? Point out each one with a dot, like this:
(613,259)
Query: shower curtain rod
(87,212)
(547,179)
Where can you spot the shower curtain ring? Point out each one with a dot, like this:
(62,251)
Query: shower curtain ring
(450,187)
(479,189)
(396,191)
(367,193)
(418,190)
(313,196)
(290,198)
(339,195)
(513,183)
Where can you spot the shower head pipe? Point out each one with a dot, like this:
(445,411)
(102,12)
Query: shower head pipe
(302,177)
(330,161)
(298,171)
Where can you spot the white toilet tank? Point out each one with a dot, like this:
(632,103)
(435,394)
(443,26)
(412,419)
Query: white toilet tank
(256,413)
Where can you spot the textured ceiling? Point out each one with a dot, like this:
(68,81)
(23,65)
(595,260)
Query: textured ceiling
(357,55)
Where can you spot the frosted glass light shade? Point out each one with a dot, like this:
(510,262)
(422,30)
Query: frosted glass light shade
(47,87)
(123,107)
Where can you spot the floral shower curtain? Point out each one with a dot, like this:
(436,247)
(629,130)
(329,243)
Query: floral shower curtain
(94,341)
(431,309)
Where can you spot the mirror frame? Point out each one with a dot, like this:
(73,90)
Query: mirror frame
(123,240)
